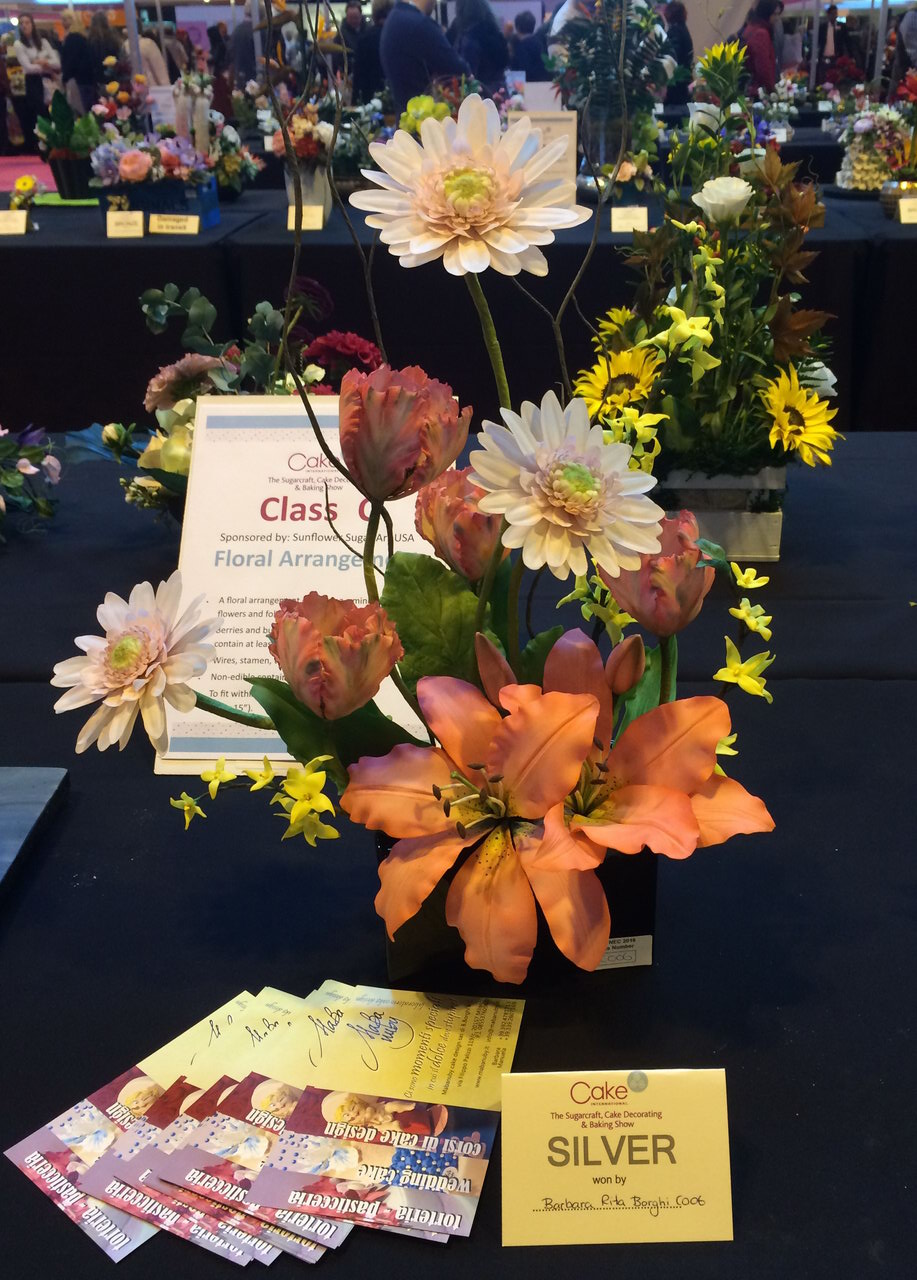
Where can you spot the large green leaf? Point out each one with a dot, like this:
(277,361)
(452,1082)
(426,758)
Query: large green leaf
(364,732)
(645,694)
(434,612)
(534,655)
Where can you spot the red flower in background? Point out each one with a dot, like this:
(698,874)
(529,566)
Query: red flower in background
(339,352)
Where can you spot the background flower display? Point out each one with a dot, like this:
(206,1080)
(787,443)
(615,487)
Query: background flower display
(878,146)
(612,67)
(232,163)
(541,758)
(160,457)
(708,370)
(28,469)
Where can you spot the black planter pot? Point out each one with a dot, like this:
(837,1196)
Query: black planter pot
(71,176)
(427,955)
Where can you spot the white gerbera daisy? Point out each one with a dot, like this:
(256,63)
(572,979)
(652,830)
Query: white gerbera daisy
(565,493)
(470,195)
(143,660)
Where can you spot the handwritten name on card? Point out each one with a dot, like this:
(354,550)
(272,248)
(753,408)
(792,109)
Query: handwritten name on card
(123,224)
(615,1157)
(174,224)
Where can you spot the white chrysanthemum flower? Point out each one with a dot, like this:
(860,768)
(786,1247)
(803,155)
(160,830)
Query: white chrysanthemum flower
(147,654)
(471,195)
(565,493)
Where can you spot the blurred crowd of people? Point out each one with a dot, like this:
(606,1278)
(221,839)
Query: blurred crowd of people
(398,46)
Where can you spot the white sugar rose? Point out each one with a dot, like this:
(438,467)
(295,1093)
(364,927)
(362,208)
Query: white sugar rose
(722,199)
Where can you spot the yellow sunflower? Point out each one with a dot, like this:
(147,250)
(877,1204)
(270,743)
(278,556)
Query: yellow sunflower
(800,420)
(614,321)
(618,379)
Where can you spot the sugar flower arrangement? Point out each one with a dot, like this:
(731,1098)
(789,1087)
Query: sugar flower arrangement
(879,146)
(312,138)
(232,163)
(715,368)
(150,159)
(27,469)
(533,758)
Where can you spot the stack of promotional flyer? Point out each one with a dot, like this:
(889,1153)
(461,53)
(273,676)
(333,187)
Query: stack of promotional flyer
(279,1123)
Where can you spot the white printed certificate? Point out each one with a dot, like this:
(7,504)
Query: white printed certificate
(255,532)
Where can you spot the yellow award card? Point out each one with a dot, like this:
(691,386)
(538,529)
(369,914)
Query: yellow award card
(615,1157)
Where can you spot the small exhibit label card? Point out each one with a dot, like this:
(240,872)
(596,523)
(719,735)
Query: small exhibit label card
(14,222)
(615,1157)
(630,217)
(175,224)
(907,209)
(313,217)
(124,224)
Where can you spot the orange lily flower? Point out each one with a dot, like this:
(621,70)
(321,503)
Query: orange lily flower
(487,789)
(656,786)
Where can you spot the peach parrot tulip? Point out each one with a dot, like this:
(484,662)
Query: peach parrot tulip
(399,429)
(667,591)
(333,654)
(487,790)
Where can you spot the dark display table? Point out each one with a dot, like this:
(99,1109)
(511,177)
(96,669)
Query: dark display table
(72,286)
(786,959)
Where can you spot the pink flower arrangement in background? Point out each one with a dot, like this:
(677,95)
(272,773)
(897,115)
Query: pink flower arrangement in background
(134,166)
(186,377)
(399,430)
(333,654)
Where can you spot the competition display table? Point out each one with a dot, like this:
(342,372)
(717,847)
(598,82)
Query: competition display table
(79,280)
(784,959)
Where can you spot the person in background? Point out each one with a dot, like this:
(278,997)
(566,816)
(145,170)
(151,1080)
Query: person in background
(530,48)
(681,48)
(792,46)
(41,66)
(832,40)
(76,66)
(218,36)
(242,49)
(477,39)
(414,51)
(368,77)
(176,54)
(760,60)
(352,29)
(152,63)
(778,35)
(104,44)
(904,57)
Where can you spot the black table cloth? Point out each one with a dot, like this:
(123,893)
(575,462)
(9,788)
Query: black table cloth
(787,959)
(81,286)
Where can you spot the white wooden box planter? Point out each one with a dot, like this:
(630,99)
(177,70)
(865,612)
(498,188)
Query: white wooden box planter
(735,511)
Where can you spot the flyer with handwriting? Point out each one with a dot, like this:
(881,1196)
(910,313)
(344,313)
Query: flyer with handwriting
(613,1157)
(400,1044)
(57,1156)
(122,1178)
(256,531)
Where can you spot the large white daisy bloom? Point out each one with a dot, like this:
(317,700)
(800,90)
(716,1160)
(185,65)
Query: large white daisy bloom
(469,194)
(147,654)
(564,492)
